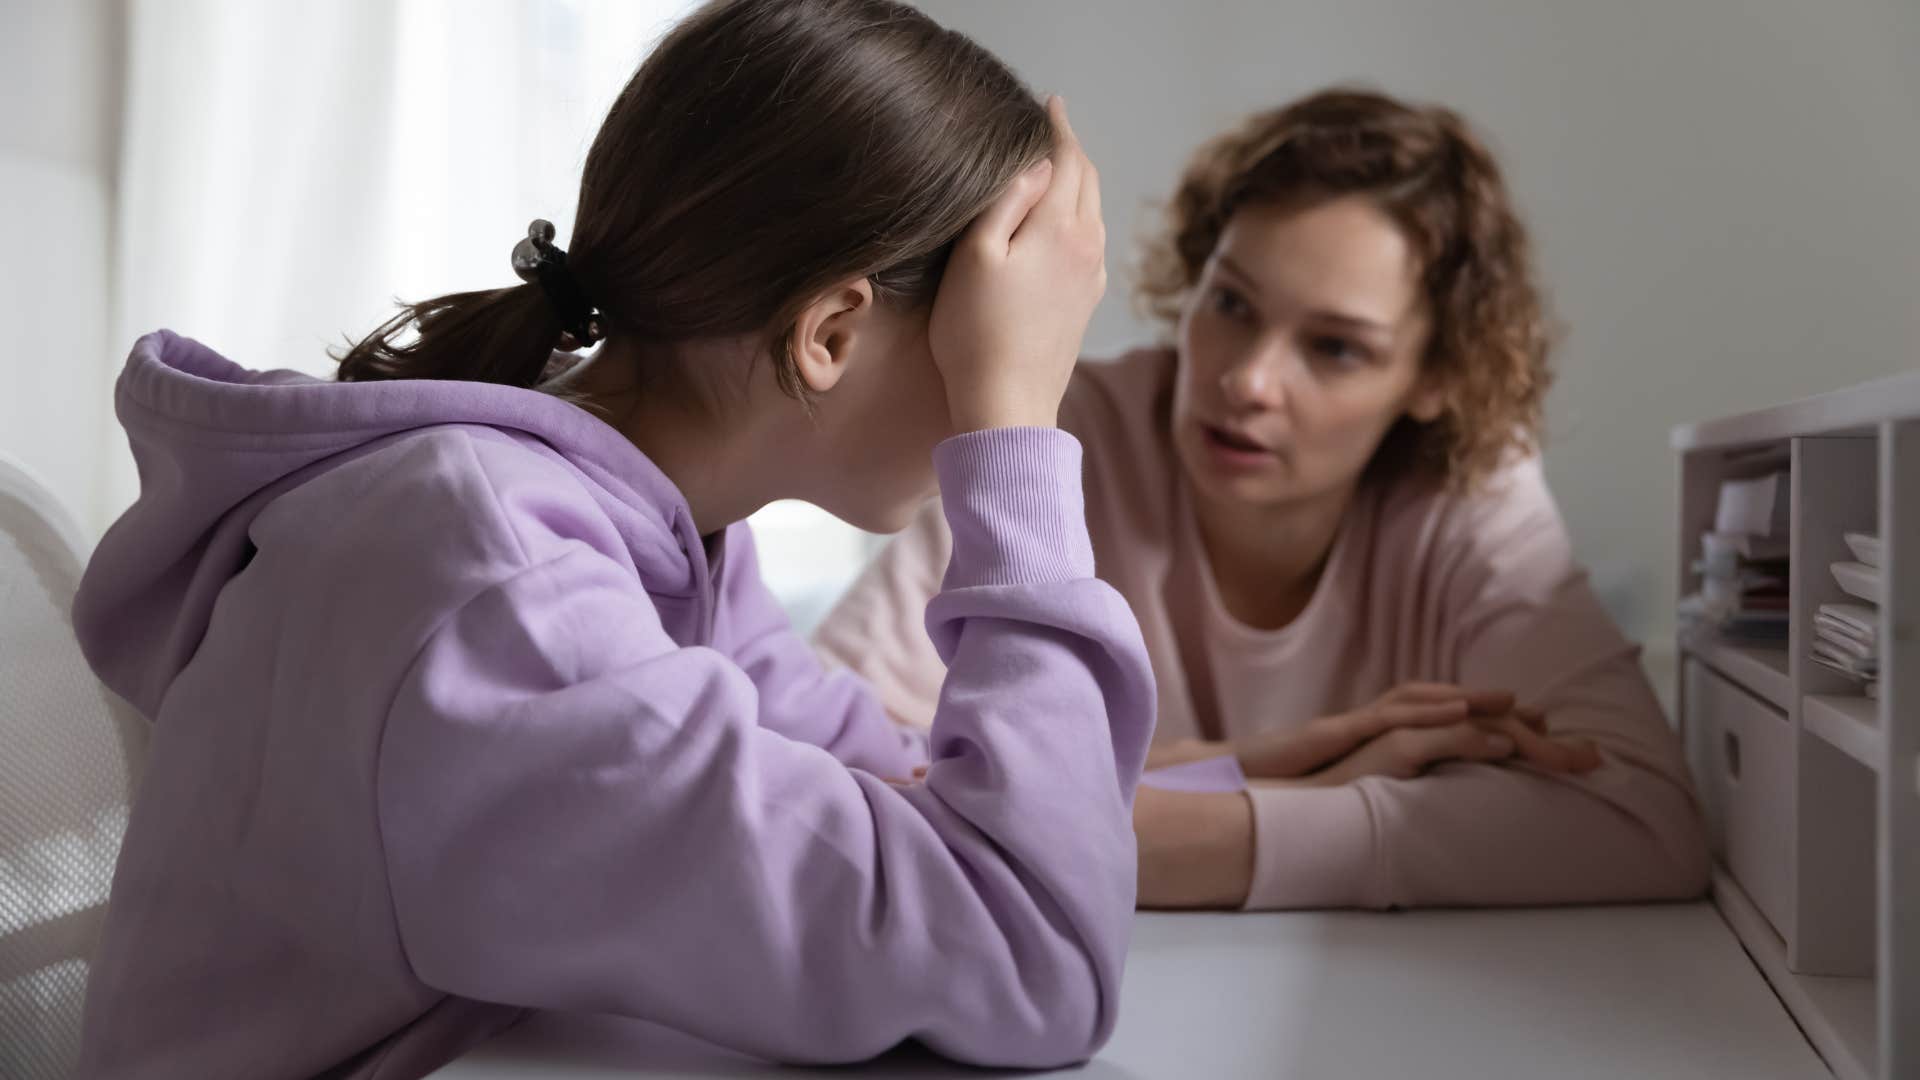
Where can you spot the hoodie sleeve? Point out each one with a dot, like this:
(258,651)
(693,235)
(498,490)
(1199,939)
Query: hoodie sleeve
(580,816)
(799,696)
(1516,612)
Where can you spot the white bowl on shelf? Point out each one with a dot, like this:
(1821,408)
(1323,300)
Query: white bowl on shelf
(1858,579)
(1866,548)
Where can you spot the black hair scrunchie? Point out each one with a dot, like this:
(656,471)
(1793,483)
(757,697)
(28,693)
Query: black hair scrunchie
(537,261)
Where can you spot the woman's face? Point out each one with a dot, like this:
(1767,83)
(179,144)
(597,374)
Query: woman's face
(1299,348)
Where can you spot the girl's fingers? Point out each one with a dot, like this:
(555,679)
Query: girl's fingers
(1069,165)
(993,230)
(1089,190)
(919,774)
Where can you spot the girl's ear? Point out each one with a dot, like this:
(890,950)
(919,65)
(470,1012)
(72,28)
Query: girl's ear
(823,334)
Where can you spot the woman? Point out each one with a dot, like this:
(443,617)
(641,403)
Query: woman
(1323,505)
(467,697)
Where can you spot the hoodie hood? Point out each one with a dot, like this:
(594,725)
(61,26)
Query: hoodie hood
(215,443)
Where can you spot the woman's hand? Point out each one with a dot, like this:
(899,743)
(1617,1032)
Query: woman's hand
(1417,726)
(1411,727)
(1411,706)
(1022,283)
(1404,753)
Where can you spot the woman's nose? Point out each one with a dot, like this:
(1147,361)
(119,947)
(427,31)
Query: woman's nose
(1256,381)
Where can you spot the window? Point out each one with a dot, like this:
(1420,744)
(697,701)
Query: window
(294,168)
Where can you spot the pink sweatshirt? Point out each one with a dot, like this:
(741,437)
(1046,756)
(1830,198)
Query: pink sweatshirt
(455,716)
(1420,586)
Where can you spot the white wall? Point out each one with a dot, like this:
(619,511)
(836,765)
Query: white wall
(1725,193)
(59,130)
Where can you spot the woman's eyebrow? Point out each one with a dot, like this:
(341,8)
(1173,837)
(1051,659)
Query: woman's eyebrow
(1357,322)
(1226,261)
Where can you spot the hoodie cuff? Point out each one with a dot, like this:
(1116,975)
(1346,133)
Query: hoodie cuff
(1214,774)
(1013,502)
(1313,847)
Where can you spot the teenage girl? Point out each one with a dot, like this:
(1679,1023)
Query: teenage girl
(467,697)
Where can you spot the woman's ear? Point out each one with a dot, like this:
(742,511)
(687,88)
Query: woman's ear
(823,335)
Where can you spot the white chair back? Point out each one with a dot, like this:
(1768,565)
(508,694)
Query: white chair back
(70,754)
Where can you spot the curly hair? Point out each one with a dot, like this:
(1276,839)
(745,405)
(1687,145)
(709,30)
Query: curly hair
(1427,170)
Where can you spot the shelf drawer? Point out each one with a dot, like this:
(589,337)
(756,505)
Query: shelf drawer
(1741,752)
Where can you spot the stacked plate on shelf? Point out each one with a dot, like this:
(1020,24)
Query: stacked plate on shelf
(1846,636)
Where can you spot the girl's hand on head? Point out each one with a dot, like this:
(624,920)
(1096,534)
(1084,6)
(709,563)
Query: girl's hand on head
(1022,283)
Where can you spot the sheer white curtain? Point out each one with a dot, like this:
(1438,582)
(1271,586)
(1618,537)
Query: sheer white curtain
(59,125)
(291,168)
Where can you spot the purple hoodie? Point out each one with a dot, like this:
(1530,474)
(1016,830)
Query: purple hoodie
(455,716)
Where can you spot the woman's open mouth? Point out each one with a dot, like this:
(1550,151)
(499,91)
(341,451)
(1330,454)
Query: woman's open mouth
(1233,450)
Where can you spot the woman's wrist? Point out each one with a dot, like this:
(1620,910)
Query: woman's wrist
(1196,848)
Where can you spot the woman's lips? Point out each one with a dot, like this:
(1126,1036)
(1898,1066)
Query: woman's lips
(1235,451)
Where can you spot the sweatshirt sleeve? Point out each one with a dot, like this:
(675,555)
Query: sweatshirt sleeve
(1517,613)
(800,697)
(877,630)
(580,816)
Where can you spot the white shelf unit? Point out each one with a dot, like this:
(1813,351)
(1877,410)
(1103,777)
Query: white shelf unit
(1811,789)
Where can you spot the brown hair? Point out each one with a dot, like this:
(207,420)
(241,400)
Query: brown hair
(1427,170)
(765,150)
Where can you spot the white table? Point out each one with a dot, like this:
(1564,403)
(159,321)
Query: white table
(1640,991)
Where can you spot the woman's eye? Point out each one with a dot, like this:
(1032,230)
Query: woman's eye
(1339,350)
(1228,303)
